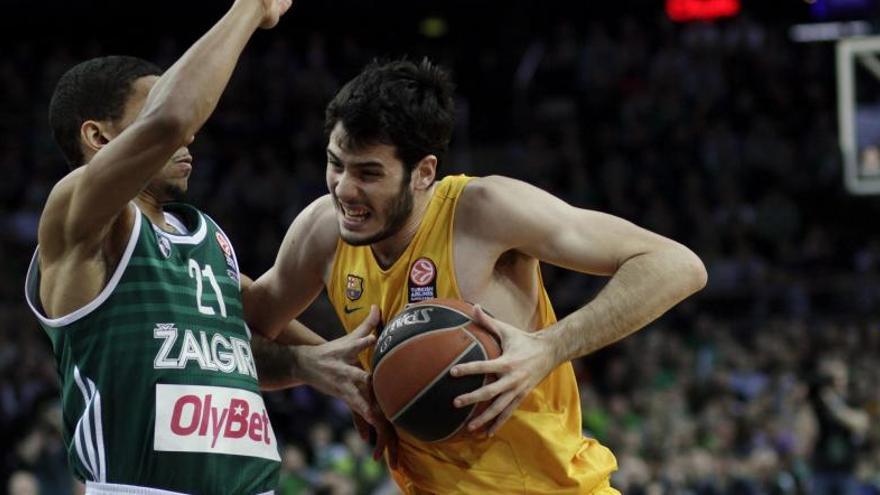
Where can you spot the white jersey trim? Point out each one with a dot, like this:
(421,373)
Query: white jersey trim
(90,430)
(175,222)
(115,489)
(102,296)
(194,238)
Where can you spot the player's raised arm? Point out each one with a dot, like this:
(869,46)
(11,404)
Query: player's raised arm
(649,275)
(177,106)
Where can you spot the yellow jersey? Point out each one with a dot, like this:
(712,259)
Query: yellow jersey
(540,450)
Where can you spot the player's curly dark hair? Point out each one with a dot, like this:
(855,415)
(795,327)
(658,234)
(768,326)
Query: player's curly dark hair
(401,103)
(96,89)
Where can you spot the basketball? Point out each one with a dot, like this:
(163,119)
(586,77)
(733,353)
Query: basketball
(411,364)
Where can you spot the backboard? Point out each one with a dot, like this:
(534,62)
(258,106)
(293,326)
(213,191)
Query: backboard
(858,108)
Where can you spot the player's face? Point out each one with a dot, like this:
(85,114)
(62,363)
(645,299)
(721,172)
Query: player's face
(370,188)
(171,182)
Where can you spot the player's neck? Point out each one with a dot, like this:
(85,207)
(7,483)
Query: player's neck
(152,208)
(388,251)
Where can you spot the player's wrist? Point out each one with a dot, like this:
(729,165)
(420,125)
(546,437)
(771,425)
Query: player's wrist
(251,11)
(299,367)
(552,350)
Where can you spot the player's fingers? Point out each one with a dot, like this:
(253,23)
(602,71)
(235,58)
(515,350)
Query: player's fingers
(361,425)
(393,443)
(381,442)
(359,400)
(355,375)
(487,322)
(492,411)
(368,324)
(354,347)
(486,392)
(377,452)
(493,366)
(284,6)
(360,406)
(504,416)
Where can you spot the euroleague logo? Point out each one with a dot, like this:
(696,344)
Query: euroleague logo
(224,244)
(226,247)
(423,272)
(422,280)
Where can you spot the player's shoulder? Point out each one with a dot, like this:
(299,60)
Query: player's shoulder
(319,217)
(481,206)
(487,196)
(316,226)
(492,188)
(64,188)
(56,235)
(321,209)
(503,208)
(54,214)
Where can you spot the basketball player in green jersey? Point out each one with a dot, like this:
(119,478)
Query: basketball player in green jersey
(142,301)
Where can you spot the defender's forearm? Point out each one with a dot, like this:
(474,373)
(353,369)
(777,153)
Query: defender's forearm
(276,364)
(190,89)
(278,360)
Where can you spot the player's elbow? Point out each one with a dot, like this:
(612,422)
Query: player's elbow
(691,270)
(167,125)
(255,305)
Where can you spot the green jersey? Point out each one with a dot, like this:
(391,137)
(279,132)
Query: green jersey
(159,385)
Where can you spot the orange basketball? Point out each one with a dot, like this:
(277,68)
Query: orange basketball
(411,364)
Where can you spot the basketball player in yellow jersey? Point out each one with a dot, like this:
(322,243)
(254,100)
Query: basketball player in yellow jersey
(389,234)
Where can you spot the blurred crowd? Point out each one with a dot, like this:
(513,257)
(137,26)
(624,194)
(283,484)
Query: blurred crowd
(722,136)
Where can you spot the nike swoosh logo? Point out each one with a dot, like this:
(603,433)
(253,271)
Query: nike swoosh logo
(349,311)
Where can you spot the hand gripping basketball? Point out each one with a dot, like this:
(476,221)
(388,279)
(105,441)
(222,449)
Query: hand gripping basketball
(333,367)
(527,359)
(411,363)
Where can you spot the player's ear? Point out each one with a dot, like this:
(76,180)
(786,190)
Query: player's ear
(94,135)
(424,173)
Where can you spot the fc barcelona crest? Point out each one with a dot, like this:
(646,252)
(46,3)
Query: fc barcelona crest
(354,287)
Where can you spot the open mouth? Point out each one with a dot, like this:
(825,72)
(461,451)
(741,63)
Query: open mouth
(354,215)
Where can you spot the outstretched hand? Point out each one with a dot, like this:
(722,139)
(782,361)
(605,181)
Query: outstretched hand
(333,367)
(526,360)
(273,10)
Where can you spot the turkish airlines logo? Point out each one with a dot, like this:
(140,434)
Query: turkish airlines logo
(195,418)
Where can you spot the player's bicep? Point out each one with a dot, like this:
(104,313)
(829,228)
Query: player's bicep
(296,278)
(541,225)
(304,254)
(589,241)
(59,238)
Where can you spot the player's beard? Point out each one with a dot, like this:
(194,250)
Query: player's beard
(398,211)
